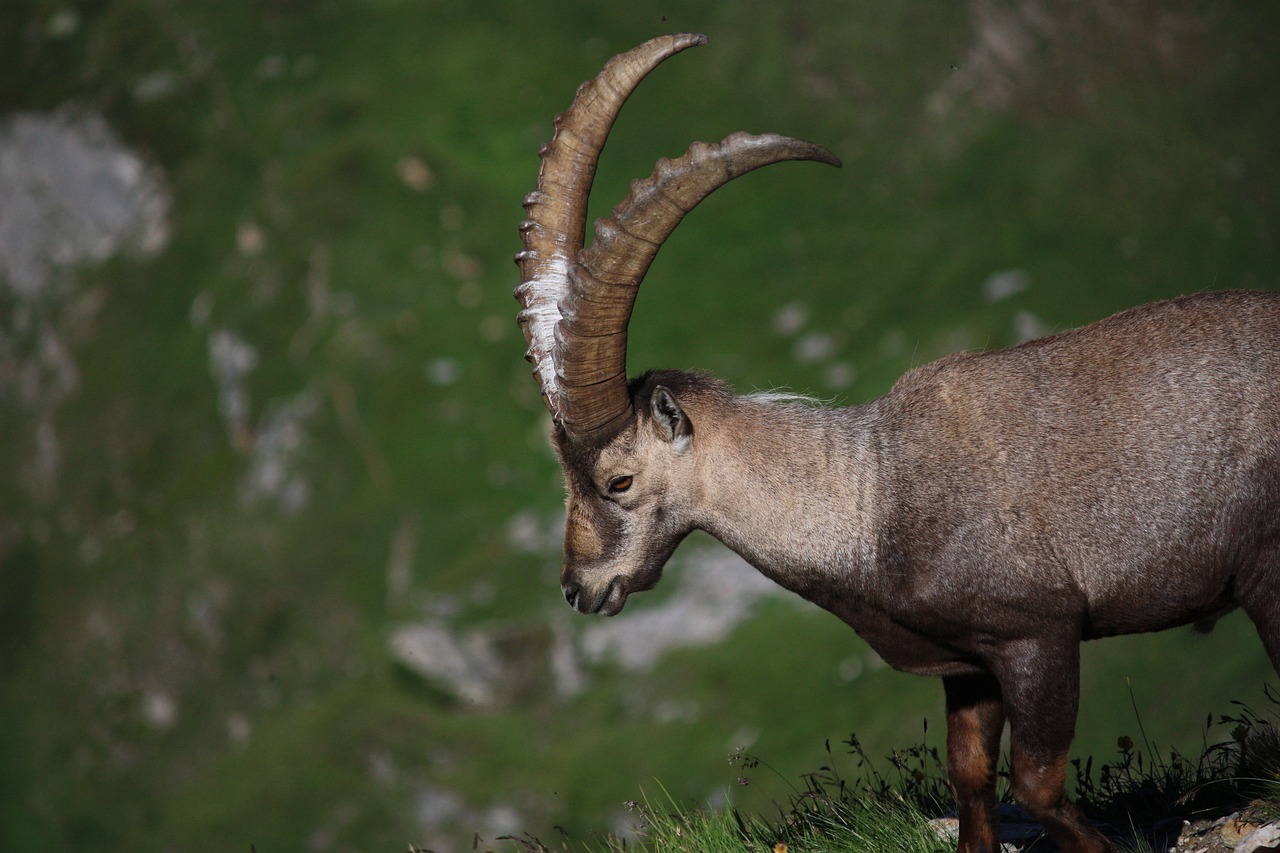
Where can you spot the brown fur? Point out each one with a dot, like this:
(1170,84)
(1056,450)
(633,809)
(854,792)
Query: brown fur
(980,520)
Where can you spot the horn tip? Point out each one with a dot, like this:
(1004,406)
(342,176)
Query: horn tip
(822,155)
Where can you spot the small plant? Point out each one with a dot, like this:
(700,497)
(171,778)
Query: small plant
(1142,796)
(1255,742)
(872,811)
(1143,788)
(918,775)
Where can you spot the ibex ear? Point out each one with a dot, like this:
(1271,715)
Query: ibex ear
(671,421)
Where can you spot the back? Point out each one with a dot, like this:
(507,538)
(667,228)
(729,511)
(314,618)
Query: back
(1136,458)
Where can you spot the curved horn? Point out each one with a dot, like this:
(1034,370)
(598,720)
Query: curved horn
(592,336)
(557,208)
(577,303)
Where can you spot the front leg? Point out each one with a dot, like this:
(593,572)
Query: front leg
(1040,681)
(975,720)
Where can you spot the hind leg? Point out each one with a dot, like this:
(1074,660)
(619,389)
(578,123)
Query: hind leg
(1260,597)
(1268,625)
(1040,682)
(1266,618)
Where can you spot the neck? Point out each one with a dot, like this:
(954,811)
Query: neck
(792,489)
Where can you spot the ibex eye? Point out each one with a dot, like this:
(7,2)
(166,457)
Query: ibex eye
(620,484)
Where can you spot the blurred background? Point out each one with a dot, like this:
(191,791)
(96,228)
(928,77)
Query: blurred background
(279,523)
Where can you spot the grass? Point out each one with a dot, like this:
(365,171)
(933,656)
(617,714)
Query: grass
(1140,797)
(1144,787)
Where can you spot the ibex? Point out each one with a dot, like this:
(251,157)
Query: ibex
(976,523)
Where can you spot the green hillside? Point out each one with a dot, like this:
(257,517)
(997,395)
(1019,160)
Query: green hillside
(278,550)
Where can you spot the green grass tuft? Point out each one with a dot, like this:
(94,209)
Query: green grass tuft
(1141,798)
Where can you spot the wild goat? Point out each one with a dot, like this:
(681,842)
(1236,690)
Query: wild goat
(976,523)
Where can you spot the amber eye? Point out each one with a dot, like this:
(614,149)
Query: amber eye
(620,484)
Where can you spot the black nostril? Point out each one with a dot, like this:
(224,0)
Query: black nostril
(571,591)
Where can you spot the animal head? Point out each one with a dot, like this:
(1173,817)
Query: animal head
(629,450)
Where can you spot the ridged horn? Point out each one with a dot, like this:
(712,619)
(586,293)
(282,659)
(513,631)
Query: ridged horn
(557,209)
(592,336)
(577,303)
